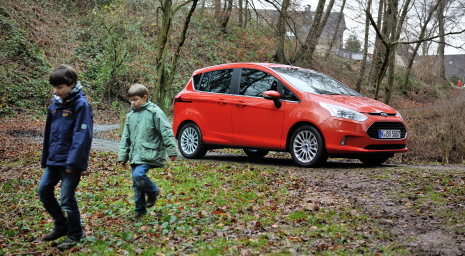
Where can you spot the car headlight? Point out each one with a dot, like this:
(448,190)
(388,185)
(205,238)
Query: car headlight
(399,115)
(338,111)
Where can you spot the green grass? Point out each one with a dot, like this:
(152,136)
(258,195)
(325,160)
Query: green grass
(204,209)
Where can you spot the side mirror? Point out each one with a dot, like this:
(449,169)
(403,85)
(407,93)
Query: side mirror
(274,96)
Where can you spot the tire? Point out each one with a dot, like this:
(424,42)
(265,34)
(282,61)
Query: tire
(255,153)
(373,161)
(307,147)
(190,142)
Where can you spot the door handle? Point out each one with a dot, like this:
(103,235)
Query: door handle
(221,101)
(240,104)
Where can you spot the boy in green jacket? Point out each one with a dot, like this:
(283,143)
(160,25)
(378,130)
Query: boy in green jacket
(146,141)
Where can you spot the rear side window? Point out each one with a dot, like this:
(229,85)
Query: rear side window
(254,82)
(217,81)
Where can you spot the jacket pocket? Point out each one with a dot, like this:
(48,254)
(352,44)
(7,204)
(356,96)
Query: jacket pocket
(151,152)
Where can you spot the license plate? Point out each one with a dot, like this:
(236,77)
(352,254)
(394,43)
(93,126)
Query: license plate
(389,134)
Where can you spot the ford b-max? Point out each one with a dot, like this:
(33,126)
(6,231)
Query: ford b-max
(262,107)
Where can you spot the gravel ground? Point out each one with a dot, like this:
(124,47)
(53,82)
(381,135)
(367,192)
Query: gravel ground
(100,142)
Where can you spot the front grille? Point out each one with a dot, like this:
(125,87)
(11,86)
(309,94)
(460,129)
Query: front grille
(379,114)
(375,127)
(386,146)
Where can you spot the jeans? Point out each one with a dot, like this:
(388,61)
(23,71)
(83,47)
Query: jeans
(142,185)
(69,182)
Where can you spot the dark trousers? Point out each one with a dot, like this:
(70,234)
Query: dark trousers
(69,182)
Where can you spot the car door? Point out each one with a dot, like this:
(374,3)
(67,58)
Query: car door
(256,121)
(213,102)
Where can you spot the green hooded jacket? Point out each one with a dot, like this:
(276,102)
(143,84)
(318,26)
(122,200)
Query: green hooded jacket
(147,137)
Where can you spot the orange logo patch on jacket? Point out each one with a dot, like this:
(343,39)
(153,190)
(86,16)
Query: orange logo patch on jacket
(66,112)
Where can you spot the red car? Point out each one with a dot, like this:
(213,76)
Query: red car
(262,107)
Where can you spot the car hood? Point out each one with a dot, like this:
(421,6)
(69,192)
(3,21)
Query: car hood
(360,104)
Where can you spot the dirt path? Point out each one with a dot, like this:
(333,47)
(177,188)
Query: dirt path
(421,232)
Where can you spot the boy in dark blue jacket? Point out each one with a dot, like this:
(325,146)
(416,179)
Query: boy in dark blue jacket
(65,154)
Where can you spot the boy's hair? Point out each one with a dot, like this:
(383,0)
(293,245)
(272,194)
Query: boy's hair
(138,90)
(63,74)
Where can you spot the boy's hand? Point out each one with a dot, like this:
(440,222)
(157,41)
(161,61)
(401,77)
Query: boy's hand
(69,171)
(122,164)
(172,158)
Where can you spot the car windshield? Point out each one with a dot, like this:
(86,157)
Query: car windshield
(314,82)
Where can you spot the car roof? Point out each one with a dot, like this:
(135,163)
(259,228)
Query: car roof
(243,65)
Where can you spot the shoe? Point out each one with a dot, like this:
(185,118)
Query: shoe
(55,235)
(68,243)
(137,215)
(151,199)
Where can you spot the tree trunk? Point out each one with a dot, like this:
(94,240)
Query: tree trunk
(388,35)
(417,46)
(379,48)
(395,35)
(162,44)
(241,11)
(442,41)
(226,15)
(165,74)
(281,32)
(336,30)
(305,53)
(358,86)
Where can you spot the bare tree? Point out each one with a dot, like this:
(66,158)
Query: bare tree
(358,86)
(226,15)
(165,70)
(305,53)
(281,32)
(336,30)
(421,36)
(388,33)
(442,40)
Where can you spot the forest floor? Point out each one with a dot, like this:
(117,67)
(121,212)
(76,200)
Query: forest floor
(422,205)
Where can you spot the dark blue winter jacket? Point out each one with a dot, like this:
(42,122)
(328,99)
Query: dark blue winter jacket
(68,132)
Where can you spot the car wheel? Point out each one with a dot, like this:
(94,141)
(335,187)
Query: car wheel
(307,147)
(374,160)
(190,141)
(255,153)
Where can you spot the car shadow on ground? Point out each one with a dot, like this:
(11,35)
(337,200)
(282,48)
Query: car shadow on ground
(281,162)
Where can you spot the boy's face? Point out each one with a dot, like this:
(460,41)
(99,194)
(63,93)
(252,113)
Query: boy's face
(62,90)
(137,101)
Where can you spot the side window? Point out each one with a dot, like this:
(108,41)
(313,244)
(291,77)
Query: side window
(218,81)
(196,81)
(289,95)
(254,82)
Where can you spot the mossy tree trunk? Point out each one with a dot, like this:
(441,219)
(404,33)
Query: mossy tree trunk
(167,65)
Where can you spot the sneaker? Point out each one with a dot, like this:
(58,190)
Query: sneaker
(55,235)
(137,215)
(151,199)
(68,243)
